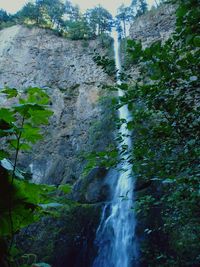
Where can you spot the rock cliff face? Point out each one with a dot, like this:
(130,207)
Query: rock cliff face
(156,25)
(36,57)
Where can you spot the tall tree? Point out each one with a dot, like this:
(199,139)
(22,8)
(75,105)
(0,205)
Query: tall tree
(77,30)
(72,12)
(139,7)
(54,10)
(143,7)
(29,11)
(100,20)
(124,16)
(4,17)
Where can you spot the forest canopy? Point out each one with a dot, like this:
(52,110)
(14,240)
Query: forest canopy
(67,19)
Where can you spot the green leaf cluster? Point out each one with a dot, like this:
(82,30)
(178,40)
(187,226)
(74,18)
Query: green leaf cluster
(64,18)
(106,63)
(164,102)
(165,125)
(20,127)
(23,120)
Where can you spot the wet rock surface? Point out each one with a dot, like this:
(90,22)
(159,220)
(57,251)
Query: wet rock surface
(155,25)
(93,188)
(66,70)
(65,240)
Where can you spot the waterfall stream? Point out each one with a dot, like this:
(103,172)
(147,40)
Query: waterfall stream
(115,237)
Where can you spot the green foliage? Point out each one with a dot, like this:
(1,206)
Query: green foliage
(6,19)
(19,128)
(106,63)
(139,7)
(21,122)
(44,13)
(165,111)
(73,12)
(124,16)
(63,18)
(127,14)
(100,20)
(78,30)
(102,130)
(55,10)
(25,209)
(30,12)
(65,188)
(107,159)
(164,103)
(142,7)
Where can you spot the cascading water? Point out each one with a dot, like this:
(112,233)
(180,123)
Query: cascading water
(115,235)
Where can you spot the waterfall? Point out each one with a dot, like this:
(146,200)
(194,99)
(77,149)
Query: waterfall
(115,237)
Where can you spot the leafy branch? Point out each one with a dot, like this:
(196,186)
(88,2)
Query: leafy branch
(19,128)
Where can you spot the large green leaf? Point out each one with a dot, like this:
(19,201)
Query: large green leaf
(3,154)
(39,117)
(31,134)
(10,92)
(7,115)
(24,109)
(36,96)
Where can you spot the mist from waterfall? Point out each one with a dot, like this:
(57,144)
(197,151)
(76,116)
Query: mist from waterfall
(115,237)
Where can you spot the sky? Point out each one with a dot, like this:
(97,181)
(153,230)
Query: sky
(12,6)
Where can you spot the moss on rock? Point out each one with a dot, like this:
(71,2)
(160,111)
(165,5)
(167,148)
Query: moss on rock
(62,239)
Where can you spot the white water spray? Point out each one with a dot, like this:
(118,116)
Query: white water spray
(115,236)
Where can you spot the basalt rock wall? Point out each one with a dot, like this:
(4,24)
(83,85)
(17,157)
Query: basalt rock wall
(67,71)
(157,24)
